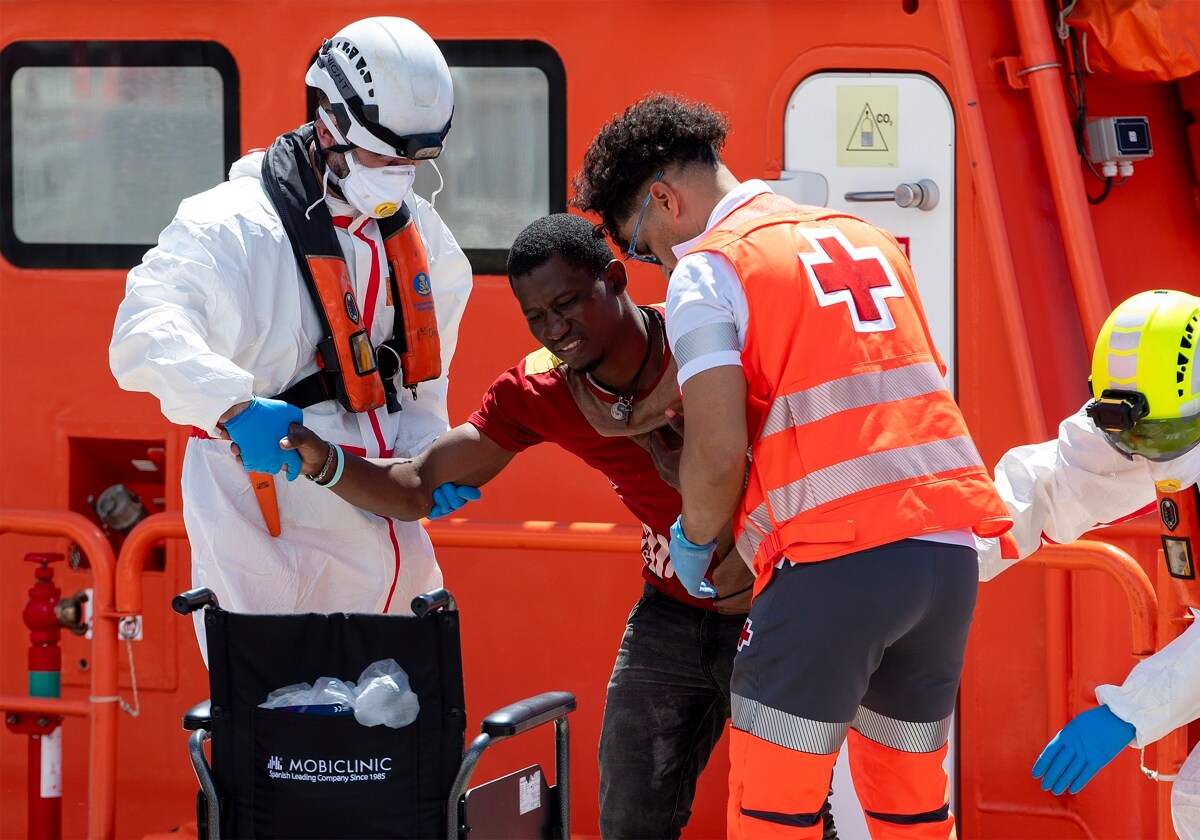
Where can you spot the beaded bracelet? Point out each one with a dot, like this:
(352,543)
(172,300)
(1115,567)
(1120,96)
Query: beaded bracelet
(324,468)
(337,474)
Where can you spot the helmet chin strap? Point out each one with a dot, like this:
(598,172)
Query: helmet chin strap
(327,173)
(441,183)
(324,193)
(343,145)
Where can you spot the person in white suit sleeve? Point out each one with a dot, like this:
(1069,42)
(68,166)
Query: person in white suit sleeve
(1131,449)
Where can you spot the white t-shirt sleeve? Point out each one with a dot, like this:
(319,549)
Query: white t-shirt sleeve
(706,313)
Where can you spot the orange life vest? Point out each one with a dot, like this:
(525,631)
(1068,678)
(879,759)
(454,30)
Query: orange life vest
(855,441)
(1179,516)
(352,371)
(416,334)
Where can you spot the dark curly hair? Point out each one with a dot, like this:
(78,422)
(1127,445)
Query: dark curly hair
(573,238)
(654,132)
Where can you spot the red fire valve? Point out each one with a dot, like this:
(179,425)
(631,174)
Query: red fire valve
(40,616)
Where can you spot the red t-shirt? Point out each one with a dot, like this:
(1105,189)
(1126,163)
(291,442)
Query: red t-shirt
(539,400)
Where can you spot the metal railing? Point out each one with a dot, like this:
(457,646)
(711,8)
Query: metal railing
(100,709)
(117,593)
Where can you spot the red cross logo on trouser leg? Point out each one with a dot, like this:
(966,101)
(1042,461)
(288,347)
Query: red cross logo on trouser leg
(747,635)
(861,278)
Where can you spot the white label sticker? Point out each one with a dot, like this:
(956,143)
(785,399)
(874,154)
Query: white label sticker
(531,792)
(52,764)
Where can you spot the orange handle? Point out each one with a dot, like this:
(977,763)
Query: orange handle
(268,502)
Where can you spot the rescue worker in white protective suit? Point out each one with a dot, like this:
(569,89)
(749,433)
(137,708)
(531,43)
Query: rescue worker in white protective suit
(221,322)
(1131,449)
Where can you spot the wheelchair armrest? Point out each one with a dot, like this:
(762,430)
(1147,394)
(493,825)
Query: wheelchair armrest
(528,713)
(188,602)
(199,716)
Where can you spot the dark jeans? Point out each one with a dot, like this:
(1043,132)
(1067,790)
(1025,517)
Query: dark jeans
(668,700)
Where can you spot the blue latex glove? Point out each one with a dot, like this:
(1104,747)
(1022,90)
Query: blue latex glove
(257,431)
(1091,740)
(691,561)
(450,497)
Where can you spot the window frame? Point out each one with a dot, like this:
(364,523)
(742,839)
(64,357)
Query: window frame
(22,54)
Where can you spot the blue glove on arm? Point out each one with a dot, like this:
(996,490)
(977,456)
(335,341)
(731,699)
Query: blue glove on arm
(691,561)
(450,497)
(257,431)
(1091,740)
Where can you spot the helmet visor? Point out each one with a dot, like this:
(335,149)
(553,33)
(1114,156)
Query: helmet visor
(1157,440)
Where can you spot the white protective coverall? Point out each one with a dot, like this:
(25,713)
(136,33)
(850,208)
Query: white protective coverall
(1066,487)
(217,313)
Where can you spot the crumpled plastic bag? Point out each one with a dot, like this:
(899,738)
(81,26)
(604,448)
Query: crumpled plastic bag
(383,696)
(380,696)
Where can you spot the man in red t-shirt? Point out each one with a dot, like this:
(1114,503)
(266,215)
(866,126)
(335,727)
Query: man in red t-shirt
(601,387)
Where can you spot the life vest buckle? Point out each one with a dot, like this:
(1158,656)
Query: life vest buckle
(388,362)
(389,365)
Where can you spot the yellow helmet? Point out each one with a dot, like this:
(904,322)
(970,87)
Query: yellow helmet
(1145,377)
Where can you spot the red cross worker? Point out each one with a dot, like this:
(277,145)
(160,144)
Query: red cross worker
(818,419)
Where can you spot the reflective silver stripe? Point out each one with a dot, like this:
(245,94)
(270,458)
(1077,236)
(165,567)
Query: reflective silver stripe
(786,730)
(855,391)
(856,475)
(1126,338)
(867,472)
(748,543)
(751,537)
(711,338)
(903,735)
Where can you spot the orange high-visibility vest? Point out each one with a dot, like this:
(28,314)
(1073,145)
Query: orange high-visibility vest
(855,441)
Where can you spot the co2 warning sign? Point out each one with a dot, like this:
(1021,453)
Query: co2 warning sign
(867,117)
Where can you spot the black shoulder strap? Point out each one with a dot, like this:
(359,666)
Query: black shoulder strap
(293,188)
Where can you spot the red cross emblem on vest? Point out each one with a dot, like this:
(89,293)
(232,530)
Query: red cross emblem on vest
(747,635)
(861,278)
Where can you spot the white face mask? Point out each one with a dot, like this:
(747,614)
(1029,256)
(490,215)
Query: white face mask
(372,191)
(376,191)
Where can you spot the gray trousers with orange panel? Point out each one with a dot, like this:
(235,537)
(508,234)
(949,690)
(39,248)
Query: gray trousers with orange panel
(868,646)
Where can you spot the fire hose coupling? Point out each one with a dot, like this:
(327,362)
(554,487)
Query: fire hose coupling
(46,611)
(71,613)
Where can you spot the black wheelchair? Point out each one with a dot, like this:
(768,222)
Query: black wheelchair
(277,773)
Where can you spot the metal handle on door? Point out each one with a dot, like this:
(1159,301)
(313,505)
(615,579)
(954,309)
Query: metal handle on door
(923,195)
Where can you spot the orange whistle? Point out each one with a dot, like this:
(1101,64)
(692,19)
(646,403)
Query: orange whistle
(268,502)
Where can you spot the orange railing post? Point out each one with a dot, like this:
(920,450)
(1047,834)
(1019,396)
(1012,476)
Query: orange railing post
(101,706)
(134,551)
(1043,72)
(995,232)
(1101,556)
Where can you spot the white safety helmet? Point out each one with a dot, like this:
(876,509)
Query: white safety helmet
(388,85)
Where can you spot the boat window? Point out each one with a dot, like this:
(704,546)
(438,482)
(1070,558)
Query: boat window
(504,162)
(100,140)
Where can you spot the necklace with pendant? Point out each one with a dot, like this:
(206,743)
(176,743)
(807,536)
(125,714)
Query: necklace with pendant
(622,409)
